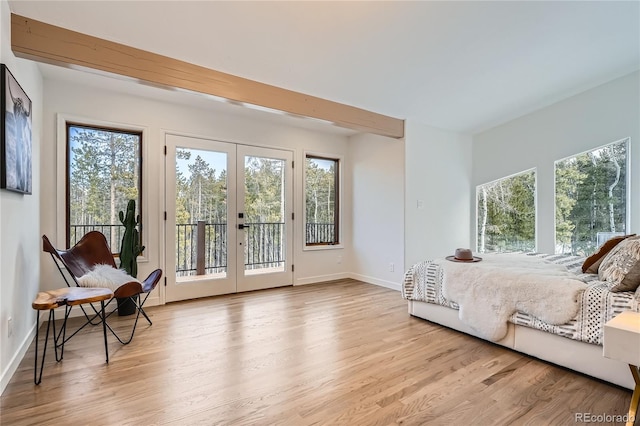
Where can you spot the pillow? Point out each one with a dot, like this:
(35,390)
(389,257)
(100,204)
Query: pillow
(593,269)
(620,268)
(589,266)
(105,276)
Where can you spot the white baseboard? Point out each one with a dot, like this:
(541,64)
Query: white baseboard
(364,278)
(322,278)
(371,280)
(7,374)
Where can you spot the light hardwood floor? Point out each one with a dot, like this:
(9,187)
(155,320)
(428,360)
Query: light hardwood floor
(325,354)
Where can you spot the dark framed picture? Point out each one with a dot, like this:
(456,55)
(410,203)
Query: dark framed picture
(15,135)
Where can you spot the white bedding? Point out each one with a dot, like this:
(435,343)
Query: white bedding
(424,282)
(489,292)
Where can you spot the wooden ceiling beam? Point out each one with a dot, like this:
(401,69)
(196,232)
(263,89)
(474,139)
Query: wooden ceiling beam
(47,43)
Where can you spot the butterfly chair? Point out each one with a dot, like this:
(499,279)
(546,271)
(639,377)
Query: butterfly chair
(83,258)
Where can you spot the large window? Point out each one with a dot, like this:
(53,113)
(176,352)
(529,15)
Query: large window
(506,213)
(103,173)
(591,198)
(321,201)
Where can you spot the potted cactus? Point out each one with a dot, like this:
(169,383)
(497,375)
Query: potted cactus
(130,249)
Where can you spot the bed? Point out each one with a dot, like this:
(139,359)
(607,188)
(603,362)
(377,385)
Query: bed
(557,316)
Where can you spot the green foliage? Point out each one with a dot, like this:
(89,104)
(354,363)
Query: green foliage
(590,198)
(568,177)
(201,192)
(104,172)
(202,196)
(506,214)
(130,248)
(264,186)
(320,191)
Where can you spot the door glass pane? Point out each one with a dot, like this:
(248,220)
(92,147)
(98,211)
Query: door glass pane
(264,243)
(201,212)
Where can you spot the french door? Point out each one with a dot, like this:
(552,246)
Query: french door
(229,210)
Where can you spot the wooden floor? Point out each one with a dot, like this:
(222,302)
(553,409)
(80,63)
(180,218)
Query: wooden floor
(326,354)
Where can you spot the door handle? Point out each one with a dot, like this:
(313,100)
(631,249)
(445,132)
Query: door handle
(242,226)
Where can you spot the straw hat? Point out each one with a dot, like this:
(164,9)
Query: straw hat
(464,255)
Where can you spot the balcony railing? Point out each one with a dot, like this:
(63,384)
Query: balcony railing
(113,233)
(320,233)
(201,248)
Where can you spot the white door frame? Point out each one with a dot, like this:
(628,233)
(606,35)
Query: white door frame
(256,280)
(235,280)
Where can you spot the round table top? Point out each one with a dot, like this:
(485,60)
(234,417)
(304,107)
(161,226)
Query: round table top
(52,299)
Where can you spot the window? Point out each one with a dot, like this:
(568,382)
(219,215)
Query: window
(103,174)
(321,201)
(591,198)
(506,213)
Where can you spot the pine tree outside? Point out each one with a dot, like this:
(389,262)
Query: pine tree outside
(321,201)
(591,204)
(201,198)
(591,198)
(506,214)
(103,173)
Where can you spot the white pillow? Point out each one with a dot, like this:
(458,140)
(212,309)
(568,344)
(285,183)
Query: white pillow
(105,276)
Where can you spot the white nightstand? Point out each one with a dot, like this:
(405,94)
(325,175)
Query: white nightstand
(622,342)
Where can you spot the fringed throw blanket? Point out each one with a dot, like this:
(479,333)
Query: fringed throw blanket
(489,292)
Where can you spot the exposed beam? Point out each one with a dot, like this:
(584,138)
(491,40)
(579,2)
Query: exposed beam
(43,42)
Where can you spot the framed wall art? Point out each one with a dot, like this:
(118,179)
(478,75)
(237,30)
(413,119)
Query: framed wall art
(15,135)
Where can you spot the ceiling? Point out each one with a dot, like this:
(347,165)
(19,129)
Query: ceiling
(460,66)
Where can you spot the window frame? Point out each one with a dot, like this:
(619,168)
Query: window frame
(62,174)
(535,205)
(627,141)
(338,201)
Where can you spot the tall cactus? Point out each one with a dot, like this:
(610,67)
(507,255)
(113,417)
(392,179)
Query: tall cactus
(130,248)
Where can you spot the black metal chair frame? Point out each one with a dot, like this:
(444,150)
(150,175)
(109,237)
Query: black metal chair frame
(61,338)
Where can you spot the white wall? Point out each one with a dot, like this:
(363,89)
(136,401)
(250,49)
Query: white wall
(19,224)
(377,165)
(438,174)
(605,114)
(70,99)
(379,172)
